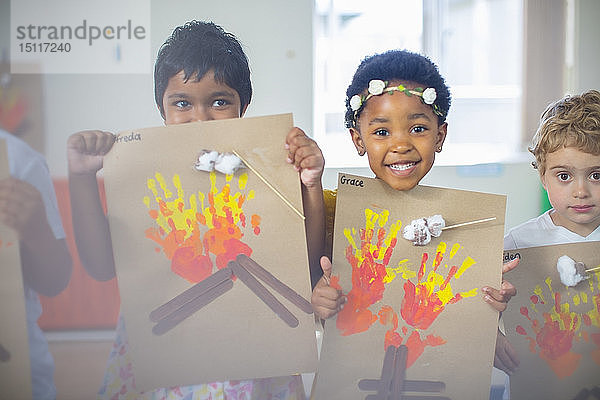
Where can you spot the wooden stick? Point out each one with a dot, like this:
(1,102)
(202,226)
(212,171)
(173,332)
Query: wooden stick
(257,270)
(593,269)
(262,178)
(190,294)
(469,223)
(263,294)
(188,309)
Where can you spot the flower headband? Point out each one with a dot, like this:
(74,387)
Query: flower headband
(377,87)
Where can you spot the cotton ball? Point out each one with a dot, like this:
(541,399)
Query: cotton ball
(417,232)
(206,160)
(228,163)
(435,224)
(570,273)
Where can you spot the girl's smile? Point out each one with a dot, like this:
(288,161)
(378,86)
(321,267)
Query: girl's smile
(400,135)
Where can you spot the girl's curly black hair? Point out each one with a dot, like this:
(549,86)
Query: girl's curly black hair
(398,65)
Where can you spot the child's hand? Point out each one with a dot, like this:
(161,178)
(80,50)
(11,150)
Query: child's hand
(505,357)
(498,299)
(21,208)
(86,151)
(306,156)
(326,301)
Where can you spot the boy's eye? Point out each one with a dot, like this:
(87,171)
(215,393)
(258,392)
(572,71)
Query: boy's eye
(381,132)
(220,103)
(595,176)
(563,176)
(181,103)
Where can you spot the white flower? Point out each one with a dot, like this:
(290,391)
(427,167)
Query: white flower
(376,87)
(355,102)
(429,95)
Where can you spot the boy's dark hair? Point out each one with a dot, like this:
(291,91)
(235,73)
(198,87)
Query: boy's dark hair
(196,48)
(398,65)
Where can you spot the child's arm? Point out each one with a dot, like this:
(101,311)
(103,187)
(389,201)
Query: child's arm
(306,156)
(505,356)
(45,260)
(326,300)
(85,152)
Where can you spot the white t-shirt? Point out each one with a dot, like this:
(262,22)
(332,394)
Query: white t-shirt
(541,231)
(30,166)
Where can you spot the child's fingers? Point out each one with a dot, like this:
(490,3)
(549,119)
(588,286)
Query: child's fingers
(326,267)
(494,298)
(92,142)
(510,265)
(507,290)
(324,305)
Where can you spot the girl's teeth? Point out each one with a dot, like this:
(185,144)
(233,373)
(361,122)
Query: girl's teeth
(402,167)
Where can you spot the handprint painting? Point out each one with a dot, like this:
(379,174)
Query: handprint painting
(424,297)
(210,226)
(555,328)
(174,227)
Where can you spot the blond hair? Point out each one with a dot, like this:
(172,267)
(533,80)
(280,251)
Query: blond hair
(573,121)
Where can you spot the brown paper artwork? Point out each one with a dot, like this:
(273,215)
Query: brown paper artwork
(193,249)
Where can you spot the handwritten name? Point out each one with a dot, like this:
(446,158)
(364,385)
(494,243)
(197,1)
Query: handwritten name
(352,181)
(128,138)
(510,256)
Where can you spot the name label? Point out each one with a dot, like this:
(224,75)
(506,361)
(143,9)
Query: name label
(352,181)
(133,136)
(510,256)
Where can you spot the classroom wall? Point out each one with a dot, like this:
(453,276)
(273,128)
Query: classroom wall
(276,35)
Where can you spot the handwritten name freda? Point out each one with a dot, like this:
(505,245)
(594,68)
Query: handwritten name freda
(133,136)
(352,181)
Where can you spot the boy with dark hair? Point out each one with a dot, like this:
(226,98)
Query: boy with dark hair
(201,74)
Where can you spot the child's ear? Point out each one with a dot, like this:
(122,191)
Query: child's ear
(358,142)
(441,136)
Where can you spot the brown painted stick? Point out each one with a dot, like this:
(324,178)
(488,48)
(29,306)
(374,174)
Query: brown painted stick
(387,372)
(257,270)
(399,372)
(189,308)
(263,294)
(198,289)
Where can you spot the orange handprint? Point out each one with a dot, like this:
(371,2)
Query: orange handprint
(554,334)
(368,263)
(179,234)
(425,300)
(415,344)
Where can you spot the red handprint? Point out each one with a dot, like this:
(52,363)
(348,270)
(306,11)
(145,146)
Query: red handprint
(179,228)
(368,271)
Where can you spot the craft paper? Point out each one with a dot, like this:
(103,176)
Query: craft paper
(554,328)
(425,297)
(172,226)
(15,373)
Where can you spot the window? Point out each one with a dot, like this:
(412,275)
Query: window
(475,43)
